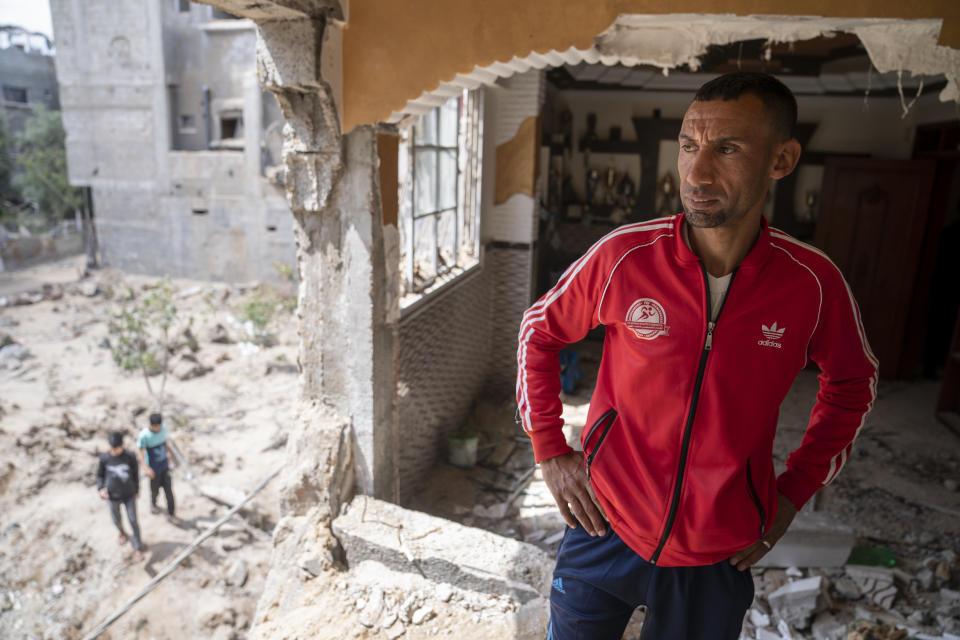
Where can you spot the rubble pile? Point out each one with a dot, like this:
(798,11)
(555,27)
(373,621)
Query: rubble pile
(829,604)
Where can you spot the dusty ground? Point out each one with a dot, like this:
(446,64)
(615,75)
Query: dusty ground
(61,569)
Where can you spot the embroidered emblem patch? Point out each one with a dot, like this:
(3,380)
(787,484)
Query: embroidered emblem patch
(772,335)
(647,319)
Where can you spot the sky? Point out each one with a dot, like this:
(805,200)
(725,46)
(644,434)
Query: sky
(33,15)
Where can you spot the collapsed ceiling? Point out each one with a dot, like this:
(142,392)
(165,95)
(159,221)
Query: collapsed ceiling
(810,54)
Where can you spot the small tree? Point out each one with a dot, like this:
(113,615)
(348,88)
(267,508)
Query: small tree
(42,164)
(142,333)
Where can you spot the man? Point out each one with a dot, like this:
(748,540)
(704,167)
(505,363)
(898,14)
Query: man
(119,482)
(709,316)
(155,454)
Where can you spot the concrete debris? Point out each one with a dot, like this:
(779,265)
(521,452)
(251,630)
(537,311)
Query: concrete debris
(759,618)
(421,615)
(463,557)
(13,355)
(313,565)
(862,613)
(877,583)
(219,335)
(89,288)
(395,630)
(443,592)
(943,571)
(950,484)
(188,369)
(372,610)
(873,631)
(827,627)
(784,630)
(5,339)
(846,588)
(766,634)
(814,539)
(52,291)
(796,602)
(237,573)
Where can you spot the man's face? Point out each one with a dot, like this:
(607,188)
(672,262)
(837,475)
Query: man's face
(155,427)
(727,153)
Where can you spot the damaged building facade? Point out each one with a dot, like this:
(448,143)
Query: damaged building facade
(167,125)
(440,177)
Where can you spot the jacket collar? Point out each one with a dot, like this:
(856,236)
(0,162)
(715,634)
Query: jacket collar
(754,260)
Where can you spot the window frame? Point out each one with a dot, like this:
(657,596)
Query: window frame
(465,208)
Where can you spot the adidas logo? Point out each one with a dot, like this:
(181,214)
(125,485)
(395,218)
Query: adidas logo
(772,332)
(772,335)
(558,585)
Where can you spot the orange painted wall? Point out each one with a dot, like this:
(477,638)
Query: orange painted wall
(393,50)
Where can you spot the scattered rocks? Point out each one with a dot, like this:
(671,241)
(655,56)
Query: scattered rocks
(444,592)
(373,608)
(89,288)
(950,484)
(395,630)
(6,339)
(184,369)
(219,335)
(422,614)
(237,573)
(313,565)
(13,355)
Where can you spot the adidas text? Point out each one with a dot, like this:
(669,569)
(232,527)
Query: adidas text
(769,343)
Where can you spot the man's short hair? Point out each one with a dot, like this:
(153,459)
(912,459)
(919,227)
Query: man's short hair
(156,418)
(115,438)
(776,96)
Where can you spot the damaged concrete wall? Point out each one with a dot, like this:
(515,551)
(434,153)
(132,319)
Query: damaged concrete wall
(210,215)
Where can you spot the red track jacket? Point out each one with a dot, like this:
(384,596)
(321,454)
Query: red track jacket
(679,436)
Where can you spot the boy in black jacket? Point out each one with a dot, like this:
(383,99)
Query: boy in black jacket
(118,481)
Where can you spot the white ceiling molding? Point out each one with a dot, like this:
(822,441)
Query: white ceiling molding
(673,40)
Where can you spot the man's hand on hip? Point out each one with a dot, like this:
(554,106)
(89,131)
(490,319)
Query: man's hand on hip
(786,512)
(570,486)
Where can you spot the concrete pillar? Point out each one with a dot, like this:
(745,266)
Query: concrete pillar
(347,425)
(252,134)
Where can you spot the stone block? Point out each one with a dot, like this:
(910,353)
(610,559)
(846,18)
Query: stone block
(796,602)
(813,540)
(442,551)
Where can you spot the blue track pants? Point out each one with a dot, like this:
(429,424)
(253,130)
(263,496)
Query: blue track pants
(598,582)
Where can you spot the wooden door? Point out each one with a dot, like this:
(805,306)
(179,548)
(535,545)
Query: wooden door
(873,218)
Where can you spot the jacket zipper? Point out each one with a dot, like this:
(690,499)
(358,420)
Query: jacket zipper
(688,428)
(611,415)
(756,499)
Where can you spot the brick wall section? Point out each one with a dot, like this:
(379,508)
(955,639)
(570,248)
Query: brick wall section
(510,295)
(461,345)
(444,353)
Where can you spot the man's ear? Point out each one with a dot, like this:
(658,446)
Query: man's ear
(788,154)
